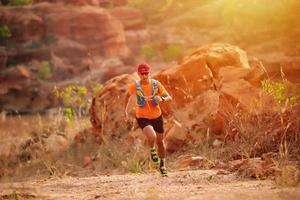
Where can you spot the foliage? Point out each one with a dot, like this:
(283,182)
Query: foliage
(75,98)
(148,52)
(45,71)
(155,50)
(161,5)
(154,11)
(69,114)
(173,51)
(5,32)
(148,6)
(284,92)
(97,89)
(20,2)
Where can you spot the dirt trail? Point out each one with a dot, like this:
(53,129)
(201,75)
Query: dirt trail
(196,184)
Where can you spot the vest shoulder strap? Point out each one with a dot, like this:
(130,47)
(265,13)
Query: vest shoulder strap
(154,86)
(138,84)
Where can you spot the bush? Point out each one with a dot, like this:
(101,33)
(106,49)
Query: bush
(155,50)
(75,99)
(20,2)
(45,71)
(148,52)
(148,6)
(5,32)
(173,52)
(285,92)
(97,88)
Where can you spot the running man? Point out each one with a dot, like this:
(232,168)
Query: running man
(149,93)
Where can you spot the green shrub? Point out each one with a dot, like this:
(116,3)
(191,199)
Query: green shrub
(69,114)
(45,71)
(5,32)
(20,2)
(97,88)
(148,52)
(153,10)
(285,92)
(135,2)
(155,50)
(72,96)
(75,99)
(173,52)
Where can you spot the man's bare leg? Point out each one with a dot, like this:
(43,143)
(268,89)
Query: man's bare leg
(160,145)
(150,134)
(161,153)
(151,138)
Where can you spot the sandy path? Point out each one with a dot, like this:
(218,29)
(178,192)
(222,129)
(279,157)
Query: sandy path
(198,184)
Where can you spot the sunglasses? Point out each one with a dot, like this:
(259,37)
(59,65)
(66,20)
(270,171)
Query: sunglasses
(145,73)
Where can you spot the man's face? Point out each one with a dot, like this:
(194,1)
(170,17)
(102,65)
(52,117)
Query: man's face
(144,75)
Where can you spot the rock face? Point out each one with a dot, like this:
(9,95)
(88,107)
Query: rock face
(67,31)
(196,85)
(3,56)
(87,2)
(18,94)
(72,39)
(133,20)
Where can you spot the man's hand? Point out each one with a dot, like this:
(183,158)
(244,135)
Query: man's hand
(158,98)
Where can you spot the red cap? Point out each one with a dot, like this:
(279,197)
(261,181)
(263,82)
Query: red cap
(142,68)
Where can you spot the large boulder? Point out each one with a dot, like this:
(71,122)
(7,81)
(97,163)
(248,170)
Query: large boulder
(106,110)
(196,87)
(200,71)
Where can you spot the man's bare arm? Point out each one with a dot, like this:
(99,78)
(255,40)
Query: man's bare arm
(126,102)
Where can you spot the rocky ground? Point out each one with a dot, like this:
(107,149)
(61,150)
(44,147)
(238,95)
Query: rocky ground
(188,184)
(56,49)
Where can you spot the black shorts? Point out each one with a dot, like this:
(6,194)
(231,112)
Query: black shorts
(157,124)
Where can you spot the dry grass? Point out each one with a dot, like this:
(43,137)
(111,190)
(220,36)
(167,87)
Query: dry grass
(36,149)
(51,151)
(255,134)
(251,135)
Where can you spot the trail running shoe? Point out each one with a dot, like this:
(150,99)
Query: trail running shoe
(163,171)
(154,156)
